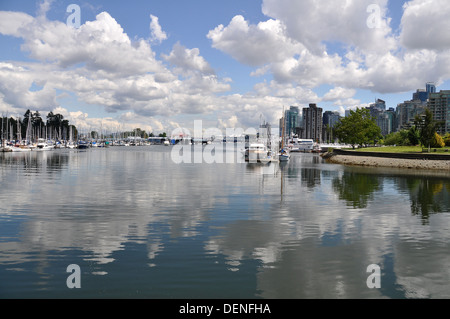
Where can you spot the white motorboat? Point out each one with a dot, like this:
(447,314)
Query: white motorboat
(301,145)
(258,153)
(42,145)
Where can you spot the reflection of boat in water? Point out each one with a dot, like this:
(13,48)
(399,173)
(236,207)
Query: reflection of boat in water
(14,149)
(20,149)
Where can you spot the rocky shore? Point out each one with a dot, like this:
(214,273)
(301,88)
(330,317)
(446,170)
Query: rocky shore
(441,165)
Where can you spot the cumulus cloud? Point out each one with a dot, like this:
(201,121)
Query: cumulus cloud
(254,45)
(338,93)
(101,65)
(423,24)
(312,43)
(157,34)
(188,60)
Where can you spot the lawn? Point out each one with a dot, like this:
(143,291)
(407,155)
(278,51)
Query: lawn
(402,149)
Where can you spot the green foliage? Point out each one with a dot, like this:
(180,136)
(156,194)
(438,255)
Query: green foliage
(414,136)
(437,141)
(359,128)
(447,139)
(403,138)
(427,128)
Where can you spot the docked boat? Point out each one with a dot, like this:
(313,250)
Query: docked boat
(256,152)
(301,145)
(83,145)
(42,145)
(259,153)
(284,155)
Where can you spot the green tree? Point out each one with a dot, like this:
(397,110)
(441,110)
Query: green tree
(393,139)
(437,141)
(359,128)
(447,139)
(413,136)
(427,127)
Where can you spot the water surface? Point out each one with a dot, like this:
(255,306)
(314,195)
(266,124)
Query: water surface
(141,226)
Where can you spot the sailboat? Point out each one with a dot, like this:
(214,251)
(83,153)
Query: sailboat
(284,155)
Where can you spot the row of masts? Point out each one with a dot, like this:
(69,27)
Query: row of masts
(33,134)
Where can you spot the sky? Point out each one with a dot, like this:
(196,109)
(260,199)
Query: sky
(161,65)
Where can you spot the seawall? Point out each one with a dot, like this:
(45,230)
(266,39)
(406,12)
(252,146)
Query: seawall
(394,160)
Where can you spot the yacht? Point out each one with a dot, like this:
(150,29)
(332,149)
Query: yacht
(82,145)
(42,145)
(258,153)
(301,145)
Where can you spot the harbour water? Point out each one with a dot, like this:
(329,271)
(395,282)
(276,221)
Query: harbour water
(139,225)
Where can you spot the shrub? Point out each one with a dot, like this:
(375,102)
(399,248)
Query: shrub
(447,139)
(437,141)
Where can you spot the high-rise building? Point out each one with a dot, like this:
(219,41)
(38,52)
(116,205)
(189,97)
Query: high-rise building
(330,119)
(407,111)
(430,87)
(421,95)
(312,123)
(292,121)
(439,105)
(383,120)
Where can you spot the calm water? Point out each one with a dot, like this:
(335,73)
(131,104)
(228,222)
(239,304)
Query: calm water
(140,226)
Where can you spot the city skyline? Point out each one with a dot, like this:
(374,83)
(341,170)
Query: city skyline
(163,64)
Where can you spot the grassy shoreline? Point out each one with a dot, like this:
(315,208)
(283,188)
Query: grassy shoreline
(402,149)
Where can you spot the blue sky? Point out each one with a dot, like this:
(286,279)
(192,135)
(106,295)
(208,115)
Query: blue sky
(224,62)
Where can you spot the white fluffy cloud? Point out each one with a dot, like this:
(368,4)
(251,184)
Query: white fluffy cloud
(100,65)
(337,42)
(255,45)
(188,60)
(157,34)
(425,25)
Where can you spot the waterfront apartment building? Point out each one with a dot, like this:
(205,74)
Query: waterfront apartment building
(330,119)
(385,119)
(439,105)
(292,120)
(407,111)
(312,122)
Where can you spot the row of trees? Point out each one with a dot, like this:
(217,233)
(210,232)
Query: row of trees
(360,129)
(423,132)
